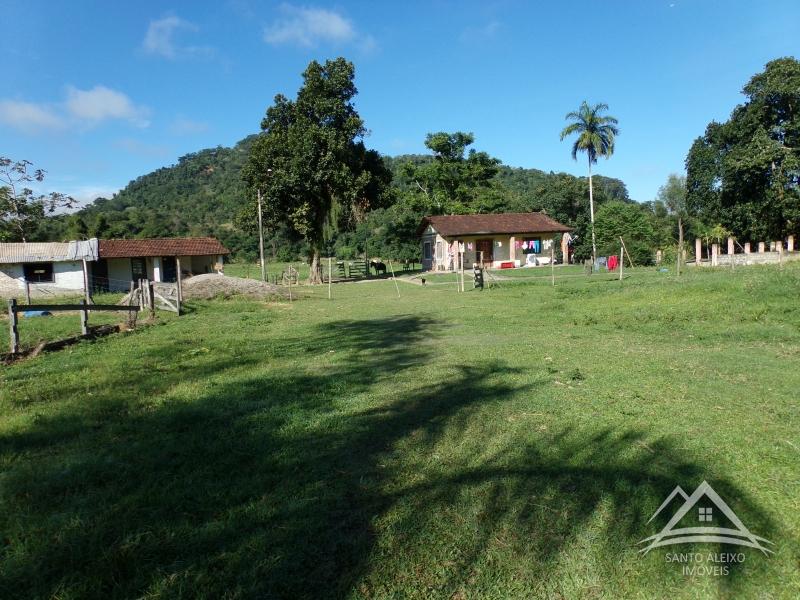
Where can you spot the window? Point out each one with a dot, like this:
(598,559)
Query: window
(39,272)
(704,514)
(426,250)
(439,251)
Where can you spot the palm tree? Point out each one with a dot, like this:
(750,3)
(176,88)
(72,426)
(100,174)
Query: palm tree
(596,133)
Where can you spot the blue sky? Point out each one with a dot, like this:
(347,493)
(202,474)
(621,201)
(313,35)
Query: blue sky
(98,93)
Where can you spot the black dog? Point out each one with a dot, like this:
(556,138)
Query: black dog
(379,267)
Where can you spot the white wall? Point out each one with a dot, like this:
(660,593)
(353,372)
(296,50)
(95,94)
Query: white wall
(68,277)
(119,274)
(10,280)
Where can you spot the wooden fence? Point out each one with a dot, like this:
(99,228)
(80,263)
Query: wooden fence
(14,309)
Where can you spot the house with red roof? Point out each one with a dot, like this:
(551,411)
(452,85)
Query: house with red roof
(498,240)
(122,261)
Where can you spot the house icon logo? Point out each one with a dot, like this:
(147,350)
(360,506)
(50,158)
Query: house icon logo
(737,535)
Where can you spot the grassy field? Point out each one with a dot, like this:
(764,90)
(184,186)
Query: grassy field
(499,444)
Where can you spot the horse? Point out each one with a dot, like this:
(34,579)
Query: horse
(380,268)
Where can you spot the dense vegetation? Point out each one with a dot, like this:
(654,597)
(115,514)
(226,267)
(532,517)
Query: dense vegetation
(203,194)
(745,173)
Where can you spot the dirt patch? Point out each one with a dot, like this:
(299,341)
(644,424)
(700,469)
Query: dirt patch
(213,285)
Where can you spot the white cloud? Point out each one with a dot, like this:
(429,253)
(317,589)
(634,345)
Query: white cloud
(160,38)
(101,103)
(29,116)
(184,126)
(80,109)
(310,26)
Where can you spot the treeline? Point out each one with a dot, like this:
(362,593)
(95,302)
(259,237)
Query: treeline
(204,194)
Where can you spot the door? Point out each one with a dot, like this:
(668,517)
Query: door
(485,246)
(169,269)
(99,282)
(138,269)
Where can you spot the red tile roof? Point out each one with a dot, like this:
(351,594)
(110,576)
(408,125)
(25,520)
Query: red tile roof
(534,222)
(199,246)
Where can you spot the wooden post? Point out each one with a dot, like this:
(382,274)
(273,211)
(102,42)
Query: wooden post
(329,277)
(87,293)
(84,318)
(714,254)
(180,283)
(261,240)
(761,247)
(552,266)
(780,254)
(151,299)
(13,325)
(621,259)
(290,282)
(790,244)
(28,291)
(396,287)
(731,249)
(698,251)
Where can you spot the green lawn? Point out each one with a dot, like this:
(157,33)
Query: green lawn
(510,443)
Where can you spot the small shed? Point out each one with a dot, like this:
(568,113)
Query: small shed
(497,239)
(45,267)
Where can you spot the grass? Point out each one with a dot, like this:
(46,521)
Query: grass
(506,443)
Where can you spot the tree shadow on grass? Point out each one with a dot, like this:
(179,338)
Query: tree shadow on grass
(317,482)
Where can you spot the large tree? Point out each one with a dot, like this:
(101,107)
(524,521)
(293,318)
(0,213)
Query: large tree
(310,162)
(632,223)
(21,209)
(455,181)
(596,133)
(745,173)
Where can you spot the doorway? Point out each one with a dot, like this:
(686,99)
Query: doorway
(486,247)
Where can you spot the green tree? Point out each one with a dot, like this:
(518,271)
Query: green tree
(745,173)
(630,222)
(673,196)
(596,135)
(455,181)
(22,210)
(310,161)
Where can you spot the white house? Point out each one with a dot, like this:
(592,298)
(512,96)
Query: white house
(45,267)
(108,265)
(499,240)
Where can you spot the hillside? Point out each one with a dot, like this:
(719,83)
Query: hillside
(203,193)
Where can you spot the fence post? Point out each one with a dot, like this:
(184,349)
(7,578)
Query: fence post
(87,292)
(13,329)
(84,318)
(27,291)
(698,251)
(151,299)
(180,287)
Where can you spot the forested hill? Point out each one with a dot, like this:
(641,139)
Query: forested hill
(203,194)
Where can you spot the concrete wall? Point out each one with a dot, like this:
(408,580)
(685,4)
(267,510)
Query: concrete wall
(11,277)
(68,278)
